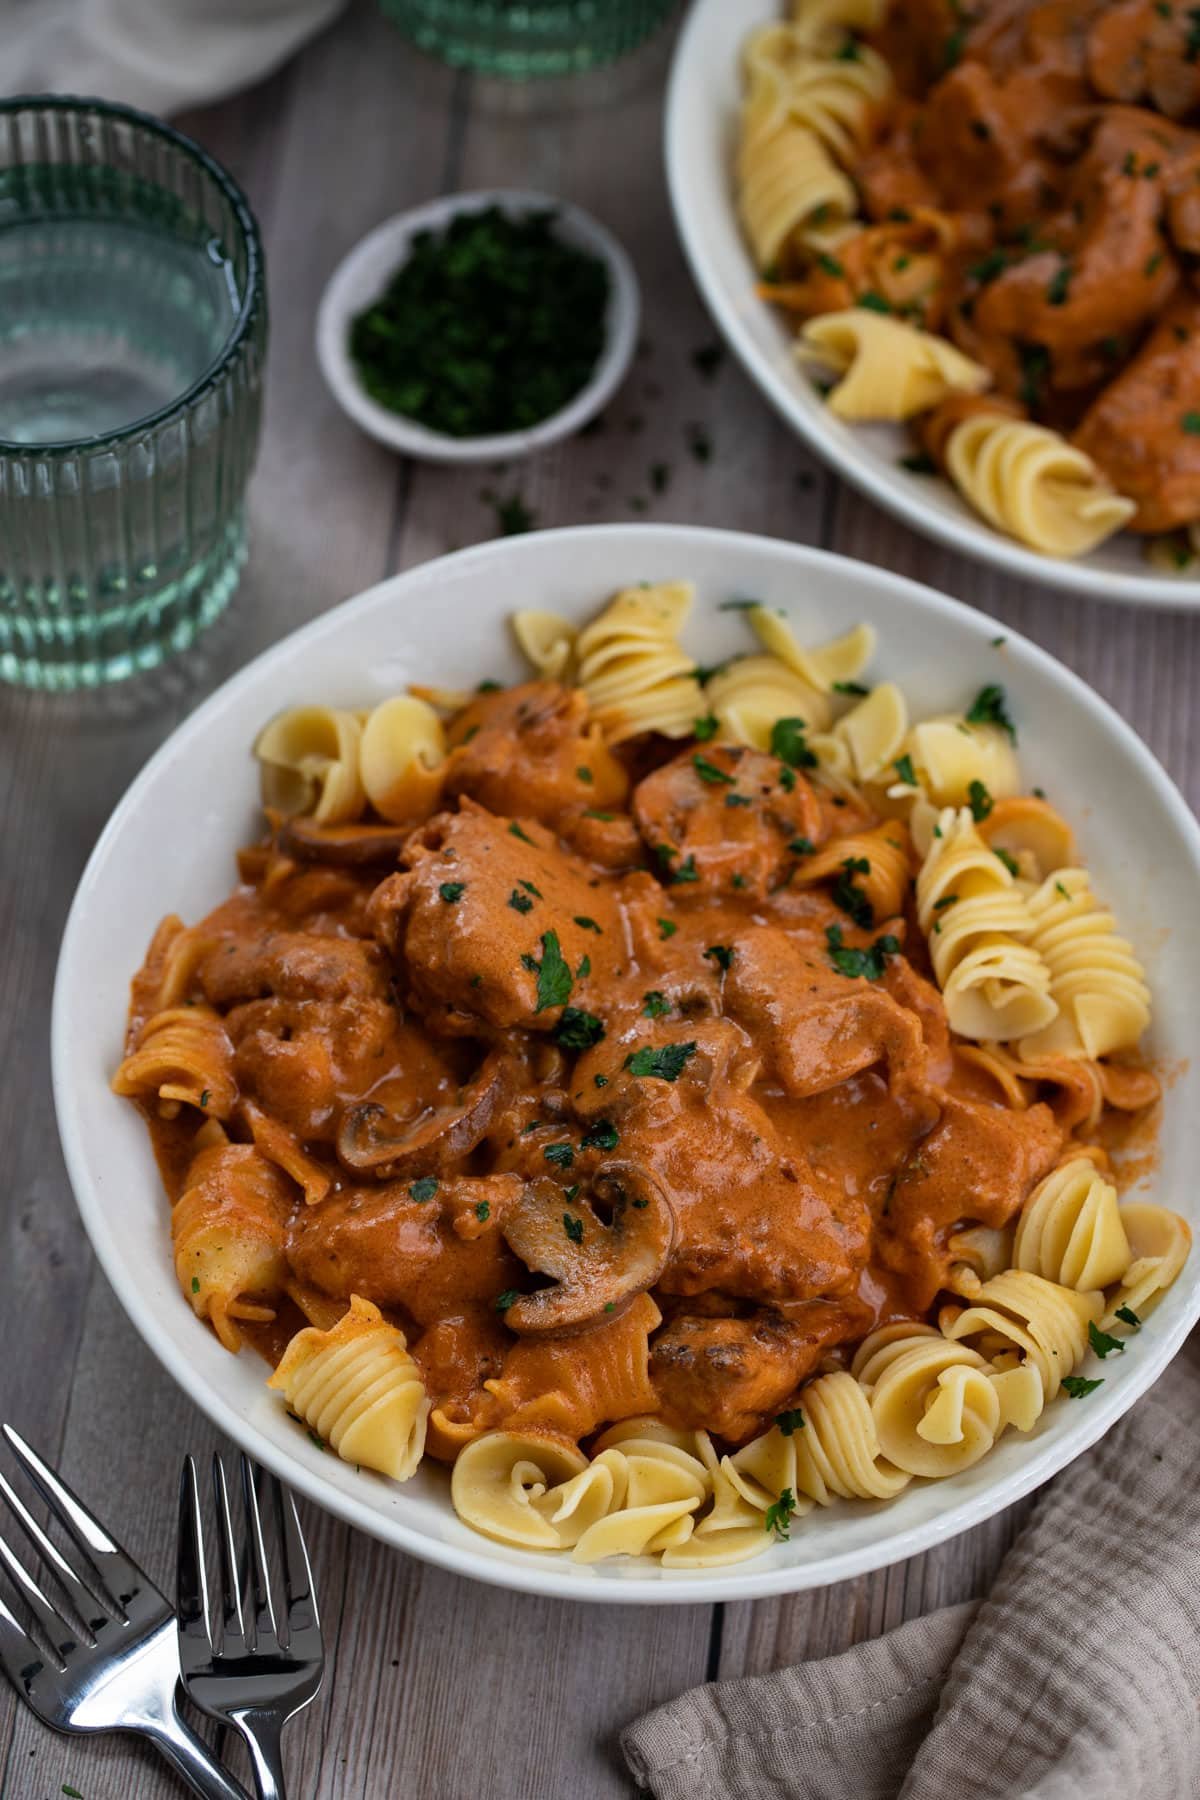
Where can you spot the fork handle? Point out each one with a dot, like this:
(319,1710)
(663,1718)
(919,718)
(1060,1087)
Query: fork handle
(263,1733)
(191,1758)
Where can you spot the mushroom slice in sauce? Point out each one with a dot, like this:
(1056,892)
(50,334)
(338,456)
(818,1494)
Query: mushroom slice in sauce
(372,1142)
(598,1264)
(341,846)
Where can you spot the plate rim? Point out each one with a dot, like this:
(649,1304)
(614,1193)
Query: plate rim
(968,537)
(549,1576)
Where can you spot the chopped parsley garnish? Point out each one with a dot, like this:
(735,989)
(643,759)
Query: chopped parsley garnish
(787,743)
(850,898)
(699,443)
(1035,366)
(592,812)
(603,1136)
(738,604)
(791,1421)
(313,1438)
(508,1298)
(918,463)
(705,728)
(666,928)
(850,687)
(1059,285)
(1060,889)
(829,265)
(195,1284)
(520,902)
(990,707)
(524,836)
(561,1155)
(945,901)
(801,846)
(487,687)
(583,773)
(981,801)
(573,1228)
(779,1516)
(738,800)
(452,891)
(873,302)
(586,924)
(1103,1342)
(1191,423)
(483,1211)
(578,1030)
(686,871)
(600,1080)
(722,955)
(584,969)
(655,1004)
(553,976)
(530,889)
(424,1188)
(709,772)
(205,1097)
(787,779)
(870,963)
(903,766)
(1010,862)
(1076,1387)
(1128,1317)
(666,1063)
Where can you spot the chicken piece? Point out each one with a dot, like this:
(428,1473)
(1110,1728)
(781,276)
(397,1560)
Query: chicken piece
(294,965)
(978,1164)
(1143,50)
(529,750)
(1142,431)
(432,1256)
(731,1376)
(817,1027)
(723,812)
(753,1217)
(496,926)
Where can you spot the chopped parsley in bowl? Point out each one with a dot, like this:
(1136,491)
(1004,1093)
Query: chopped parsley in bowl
(480,326)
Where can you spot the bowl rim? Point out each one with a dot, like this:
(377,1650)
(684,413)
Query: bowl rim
(735,1582)
(253,304)
(971,538)
(347,290)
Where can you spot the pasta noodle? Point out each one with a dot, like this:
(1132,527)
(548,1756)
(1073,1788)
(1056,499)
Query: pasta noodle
(631,666)
(229,1226)
(1044,1324)
(837,98)
(842,659)
(866,740)
(994,983)
(1070,1229)
(877,862)
(547,640)
(1031,831)
(888,369)
(938,1407)
(949,755)
(183,1057)
(401,754)
(359,1390)
(1159,1242)
(1095,978)
(497,1478)
(308,759)
(787,180)
(1029,482)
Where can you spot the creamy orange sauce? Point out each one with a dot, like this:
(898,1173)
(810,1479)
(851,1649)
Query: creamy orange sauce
(585,1057)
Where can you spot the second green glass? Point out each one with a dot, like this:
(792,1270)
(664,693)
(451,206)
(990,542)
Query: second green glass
(524,38)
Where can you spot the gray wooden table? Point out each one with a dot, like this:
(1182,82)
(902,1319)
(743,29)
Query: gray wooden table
(436,1687)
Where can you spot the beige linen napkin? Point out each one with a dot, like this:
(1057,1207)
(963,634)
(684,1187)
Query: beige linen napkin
(1075,1679)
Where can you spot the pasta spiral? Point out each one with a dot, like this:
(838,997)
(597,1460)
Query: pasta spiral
(837,97)
(401,753)
(884,881)
(631,667)
(1070,1229)
(497,1478)
(994,983)
(948,755)
(183,1058)
(1031,483)
(750,694)
(835,1454)
(866,740)
(938,1407)
(547,640)
(309,763)
(1044,1324)
(229,1226)
(1095,978)
(786,179)
(888,370)
(1159,1241)
(359,1390)
(842,659)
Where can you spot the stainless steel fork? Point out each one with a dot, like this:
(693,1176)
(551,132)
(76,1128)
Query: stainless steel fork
(247,1675)
(117,1668)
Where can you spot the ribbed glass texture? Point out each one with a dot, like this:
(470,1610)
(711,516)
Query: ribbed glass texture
(524,38)
(132,333)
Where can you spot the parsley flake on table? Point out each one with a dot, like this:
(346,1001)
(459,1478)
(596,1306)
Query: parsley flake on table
(779,1515)
(1103,1342)
(1077,1387)
(573,1228)
(787,743)
(553,976)
(452,891)
(990,707)
(603,1136)
(561,1155)
(790,1421)
(424,1188)
(709,772)
(667,1062)
(980,800)
(655,1004)
(578,1030)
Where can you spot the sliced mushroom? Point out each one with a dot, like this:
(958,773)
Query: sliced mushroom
(372,1142)
(597,1267)
(341,845)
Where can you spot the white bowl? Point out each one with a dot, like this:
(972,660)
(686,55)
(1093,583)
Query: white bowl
(701,121)
(363,274)
(169,848)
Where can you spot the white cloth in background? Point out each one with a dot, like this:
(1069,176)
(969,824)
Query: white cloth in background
(161,55)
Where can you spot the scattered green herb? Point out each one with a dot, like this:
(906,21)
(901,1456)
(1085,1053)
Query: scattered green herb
(508,1298)
(195,1284)
(655,1004)
(1077,1387)
(705,728)
(1010,862)
(1127,1315)
(869,963)
(981,801)
(870,301)
(1103,1342)
(829,265)
(578,1030)
(903,766)
(850,687)
(779,1515)
(722,955)
(424,1188)
(787,743)
(483,1211)
(553,976)
(850,898)
(666,1063)
(606,818)
(315,1438)
(801,846)
(791,1421)
(588,924)
(561,1155)
(667,928)
(524,836)
(709,772)
(603,1136)
(1191,423)
(573,1228)
(520,902)
(989,707)
(1059,286)
(584,774)
(686,871)
(452,891)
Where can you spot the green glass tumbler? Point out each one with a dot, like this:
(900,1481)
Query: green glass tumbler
(524,38)
(133,327)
